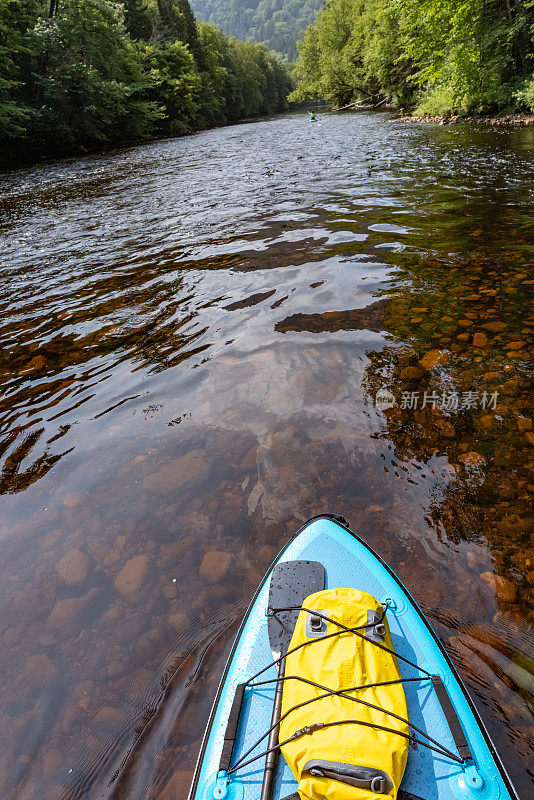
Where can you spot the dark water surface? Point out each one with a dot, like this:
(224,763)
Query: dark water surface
(193,335)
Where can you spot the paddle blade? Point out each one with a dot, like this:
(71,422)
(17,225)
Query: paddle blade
(291,583)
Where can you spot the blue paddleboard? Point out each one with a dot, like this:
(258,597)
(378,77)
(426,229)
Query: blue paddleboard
(440,708)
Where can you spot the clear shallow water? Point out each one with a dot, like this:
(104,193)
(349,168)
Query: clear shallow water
(178,397)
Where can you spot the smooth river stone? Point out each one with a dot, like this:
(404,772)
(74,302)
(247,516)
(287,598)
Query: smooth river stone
(39,670)
(73,568)
(215,566)
(67,616)
(504,589)
(434,358)
(411,373)
(131,579)
(472,459)
(480,339)
(189,469)
(494,327)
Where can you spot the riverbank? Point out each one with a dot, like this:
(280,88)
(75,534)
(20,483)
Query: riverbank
(482,119)
(24,161)
(441,119)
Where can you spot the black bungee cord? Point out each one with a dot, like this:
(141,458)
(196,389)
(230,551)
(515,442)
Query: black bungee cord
(329,692)
(441,749)
(318,725)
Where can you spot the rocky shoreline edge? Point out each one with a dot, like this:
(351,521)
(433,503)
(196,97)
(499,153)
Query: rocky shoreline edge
(505,119)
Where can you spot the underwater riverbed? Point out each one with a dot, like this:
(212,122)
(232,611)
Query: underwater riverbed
(194,333)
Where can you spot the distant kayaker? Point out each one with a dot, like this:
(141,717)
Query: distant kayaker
(312,115)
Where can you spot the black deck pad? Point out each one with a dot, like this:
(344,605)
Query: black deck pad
(291,583)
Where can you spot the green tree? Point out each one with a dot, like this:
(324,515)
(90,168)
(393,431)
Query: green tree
(469,55)
(250,75)
(352,52)
(78,74)
(451,55)
(139,19)
(189,33)
(175,85)
(240,78)
(216,77)
(275,23)
(16,16)
(89,84)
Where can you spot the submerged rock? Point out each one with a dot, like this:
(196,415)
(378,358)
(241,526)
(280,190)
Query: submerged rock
(177,621)
(252,300)
(369,318)
(73,568)
(51,761)
(524,424)
(179,473)
(109,717)
(480,340)
(411,373)
(74,499)
(131,579)
(173,552)
(446,428)
(39,670)
(434,358)
(148,643)
(472,459)
(68,614)
(504,589)
(72,718)
(514,526)
(494,327)
(215,566)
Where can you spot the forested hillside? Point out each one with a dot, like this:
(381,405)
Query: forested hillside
(453,56)
(78,74)
(277,23)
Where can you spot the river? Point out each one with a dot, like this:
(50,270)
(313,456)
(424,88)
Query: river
(194,332)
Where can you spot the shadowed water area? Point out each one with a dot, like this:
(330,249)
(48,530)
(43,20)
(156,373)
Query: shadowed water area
(193,336)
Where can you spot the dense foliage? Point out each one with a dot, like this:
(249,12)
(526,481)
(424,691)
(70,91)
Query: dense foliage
(276,23)
(447,56)
(83,73)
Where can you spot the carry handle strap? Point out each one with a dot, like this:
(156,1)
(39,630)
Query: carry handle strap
(231,728)
(451,716)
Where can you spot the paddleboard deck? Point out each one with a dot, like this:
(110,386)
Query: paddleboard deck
(350,562)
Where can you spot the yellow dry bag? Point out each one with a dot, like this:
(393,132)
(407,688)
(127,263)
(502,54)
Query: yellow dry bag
(330,758)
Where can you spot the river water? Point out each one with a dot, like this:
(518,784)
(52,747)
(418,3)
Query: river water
(194,333)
